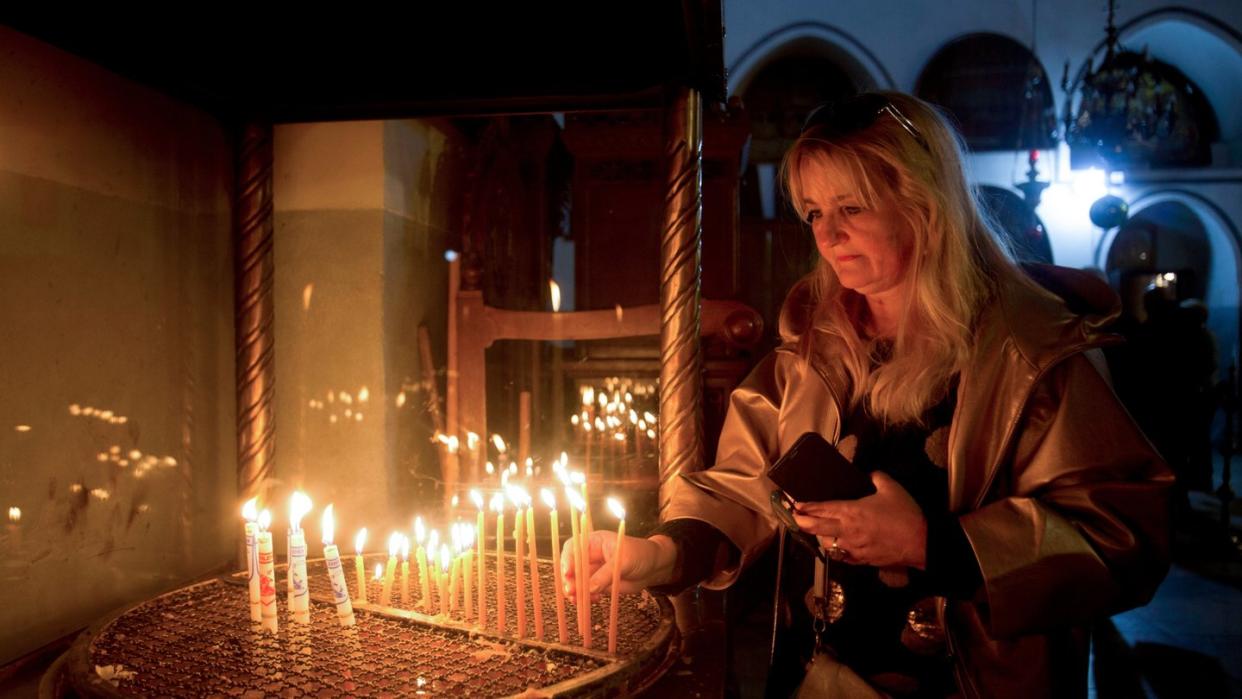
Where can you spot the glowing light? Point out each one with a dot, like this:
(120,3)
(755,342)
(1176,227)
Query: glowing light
(498,503)
(363,394)
(490,468)
(420,531)
(250,510)
(75,488)
(360,540)
(22,428)
(472,440)
(75,409)
(394,544)
(588,396)
(555,290)
(405,548)
(500,443)
(614,506)
(400,399)
(573,420)
(651,419)
(575,499)
(345,398)
(379,571)
(477,498)
(307,292)
(620,313)
(327,525)
(15,514)
(265,520)
(299,505)
(357,417)
(650,434)
(433,541)
(134,455)
(548,497)
(450,256)
(445,558)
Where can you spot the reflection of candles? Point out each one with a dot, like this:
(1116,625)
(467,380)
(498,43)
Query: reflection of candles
(575,506)
(498,506)
(443,579)
(420,554)
(613,606)
(558,579)
(251,512)
(360,570)
(519,535)
(299,592)
(267,573)
(482,535)
(390,570)
(405,571)
(336,576)
(535,594)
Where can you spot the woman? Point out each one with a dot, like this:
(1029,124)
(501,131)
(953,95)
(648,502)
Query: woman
(1015,499)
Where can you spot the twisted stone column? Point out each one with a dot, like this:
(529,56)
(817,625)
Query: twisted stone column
(254,312)
(681,424)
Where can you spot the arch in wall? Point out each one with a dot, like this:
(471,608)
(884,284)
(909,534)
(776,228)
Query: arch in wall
(1221,294)
(816,38)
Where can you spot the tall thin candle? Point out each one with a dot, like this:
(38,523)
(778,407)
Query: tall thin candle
(443,580)
(299,601)
(575,507)
(360,568)
(558,579)
(519,531)
(498,506)
(405,571)
(619,512)
(536,596)
(390,570)
(420,533)
(481,535)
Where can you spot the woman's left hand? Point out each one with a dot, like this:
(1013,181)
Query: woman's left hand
(883,529)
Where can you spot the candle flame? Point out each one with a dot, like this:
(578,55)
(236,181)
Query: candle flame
(433,541)
(633,417)
(573,420)
(455,536)
(614,505)
(588,396)
(454,444)
(265,520)
(490,468)
(512,467)
(548,497)
(251,509)
(15,514)
(498,503)
(599,424)
(360,540)
(363,394)
(420,532)
(651,419)
(650,434)
(642,425)
(444,557)
(577,477)
(620,313)
(477,498)
(454,501)
(620,436)
(394,544)
(405,548)
(327,525)
(586,425)
(555,290)
(564,460)
(575,499)
(299,505)
(516,495)
(379,571)
(472,440)
(500,443)
(603,399)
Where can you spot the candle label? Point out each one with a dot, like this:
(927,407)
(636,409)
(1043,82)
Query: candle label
(297,570)
(267,583)
(252,553)
(340,593)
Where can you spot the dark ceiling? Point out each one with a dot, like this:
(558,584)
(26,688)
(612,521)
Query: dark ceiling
(464,60)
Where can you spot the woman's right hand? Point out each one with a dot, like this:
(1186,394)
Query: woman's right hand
(644,563)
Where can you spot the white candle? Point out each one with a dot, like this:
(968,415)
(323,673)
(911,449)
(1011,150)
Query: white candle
(267,573)
(336,576)
(299,606)
(251,512)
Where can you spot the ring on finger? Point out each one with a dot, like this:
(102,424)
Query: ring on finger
(835,552)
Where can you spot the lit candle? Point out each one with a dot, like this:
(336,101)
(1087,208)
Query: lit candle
(299,601)
(420,533)
(519,536)
(536,596)
(390,570)
(433,550)
(575,507)
(467,570)
(619,512)
(498,506)
(267,573)
(580,480)
(405,571)
(586,428)
(251,512)
(558,578)
(360,569)
(480,533)
(336,576)
(443,579)
(455,568)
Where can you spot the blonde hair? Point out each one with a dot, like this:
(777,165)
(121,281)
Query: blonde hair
(955,262)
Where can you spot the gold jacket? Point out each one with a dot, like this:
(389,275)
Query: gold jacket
(1062,498)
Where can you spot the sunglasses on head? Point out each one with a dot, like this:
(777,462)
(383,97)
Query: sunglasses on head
(854,114)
